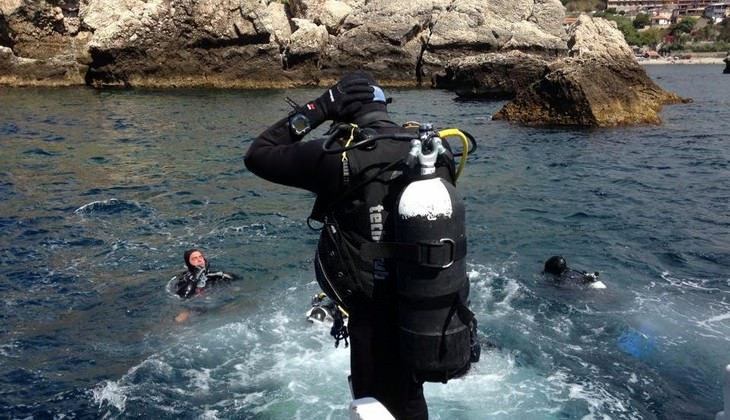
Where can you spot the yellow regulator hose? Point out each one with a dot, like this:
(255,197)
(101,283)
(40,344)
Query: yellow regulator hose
(455,132)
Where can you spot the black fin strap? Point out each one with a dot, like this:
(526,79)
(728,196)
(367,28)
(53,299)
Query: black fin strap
(467,318)
(455,306)
(339,329)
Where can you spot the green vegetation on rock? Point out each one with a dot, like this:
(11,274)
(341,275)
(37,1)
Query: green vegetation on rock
(583,5)
(689,34)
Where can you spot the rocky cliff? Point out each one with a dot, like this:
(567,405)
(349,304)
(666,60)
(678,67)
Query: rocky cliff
(599,84)
(259,43)
(478,48)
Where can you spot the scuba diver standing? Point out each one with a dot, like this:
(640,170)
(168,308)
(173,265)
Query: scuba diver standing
(392,245)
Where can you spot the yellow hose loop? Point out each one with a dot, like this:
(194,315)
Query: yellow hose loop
(451,132)
(347,143)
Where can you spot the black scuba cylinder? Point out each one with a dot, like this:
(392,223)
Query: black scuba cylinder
(433,287)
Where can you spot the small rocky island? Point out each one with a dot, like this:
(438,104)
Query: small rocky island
(494,50)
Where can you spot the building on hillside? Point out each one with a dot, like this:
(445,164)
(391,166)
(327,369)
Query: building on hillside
(661,18)
(634,5)
(680,13)
(692,4)
(717,12)
(691,7)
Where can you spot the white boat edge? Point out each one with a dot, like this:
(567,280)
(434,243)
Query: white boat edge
(369,408)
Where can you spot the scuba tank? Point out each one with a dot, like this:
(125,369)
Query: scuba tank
(435,324)
(418,231)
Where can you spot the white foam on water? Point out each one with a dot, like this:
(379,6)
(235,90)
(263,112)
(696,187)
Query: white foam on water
(717,318)
(275,364)
(113,204)
(689,283)
(293,363)
(682,301)
(10,349)
(110,393)
(199,379)
(500,386)
(210,414)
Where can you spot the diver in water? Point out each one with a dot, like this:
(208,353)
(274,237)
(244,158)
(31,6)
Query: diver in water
(558,268)
(198,278)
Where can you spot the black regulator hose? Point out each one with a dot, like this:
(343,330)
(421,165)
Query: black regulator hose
(368,137)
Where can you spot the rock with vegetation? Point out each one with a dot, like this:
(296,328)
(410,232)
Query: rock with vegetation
(598,85)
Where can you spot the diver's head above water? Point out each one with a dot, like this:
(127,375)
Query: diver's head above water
(194,259)
(555,265)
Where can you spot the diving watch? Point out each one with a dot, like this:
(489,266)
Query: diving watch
(299,124)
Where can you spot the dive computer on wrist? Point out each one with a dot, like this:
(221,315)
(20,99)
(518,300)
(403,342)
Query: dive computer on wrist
(299,124)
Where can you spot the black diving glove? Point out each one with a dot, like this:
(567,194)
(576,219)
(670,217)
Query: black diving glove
(186,289)
(201,277)
(340,101)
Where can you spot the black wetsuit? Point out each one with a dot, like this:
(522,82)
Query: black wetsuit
(570,277)
(193,283)
(279,156)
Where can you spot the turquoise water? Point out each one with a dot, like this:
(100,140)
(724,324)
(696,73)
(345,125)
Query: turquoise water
(100,193)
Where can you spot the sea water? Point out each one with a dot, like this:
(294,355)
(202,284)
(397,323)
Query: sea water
(102,191)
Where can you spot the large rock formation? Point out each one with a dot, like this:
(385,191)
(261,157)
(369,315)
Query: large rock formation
(492,75)
(55,71)
(265,43)
(478,48)
(599,84)
(35,46)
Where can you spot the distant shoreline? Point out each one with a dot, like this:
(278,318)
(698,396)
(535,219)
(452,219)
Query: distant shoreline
(693,60)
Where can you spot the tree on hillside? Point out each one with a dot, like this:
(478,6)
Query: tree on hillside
(651,37)
(583,5)
(708,32)
(642,20)
(684,26)
(724,30)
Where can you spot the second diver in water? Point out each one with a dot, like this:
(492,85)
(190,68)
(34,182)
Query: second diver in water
(196,280)
(198,277)
(558,268)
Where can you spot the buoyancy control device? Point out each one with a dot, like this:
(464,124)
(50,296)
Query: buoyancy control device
(437,331)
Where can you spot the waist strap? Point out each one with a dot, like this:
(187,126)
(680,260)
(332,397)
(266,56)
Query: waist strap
(436,254)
